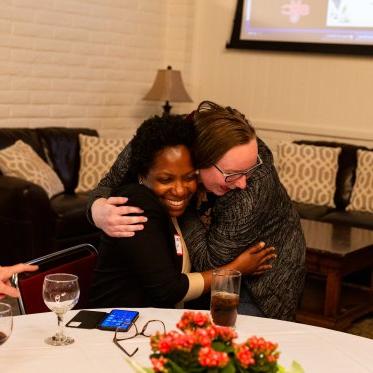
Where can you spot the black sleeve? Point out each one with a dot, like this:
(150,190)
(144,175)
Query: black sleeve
(152,252)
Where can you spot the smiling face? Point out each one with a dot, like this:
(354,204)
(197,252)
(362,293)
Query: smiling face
(172,178)
(238,159)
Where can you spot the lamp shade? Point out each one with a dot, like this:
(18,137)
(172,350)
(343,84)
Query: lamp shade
(168,86)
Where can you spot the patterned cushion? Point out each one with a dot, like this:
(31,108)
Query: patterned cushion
(362,193)
(20,160)
(96,157)
(309,172)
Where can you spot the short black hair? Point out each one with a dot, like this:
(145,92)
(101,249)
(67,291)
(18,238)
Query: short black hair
(154,135)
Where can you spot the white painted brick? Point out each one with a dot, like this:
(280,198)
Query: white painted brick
(14,97)
(104,62)
(49,97)
(106,37)
(106,12)
(53,18)
(77,7)
(52,45)
(86,99)
(89,49)
(38,4)
(4,53)
(67,111)
(31,29)
(22,55)
(90,23)
(29,111)
(118,99)
(16,41)
(21,14)
(33,84)
(69,85)
(4,81)
(69,59)
(19,69)
(88,122)
(5,26)
(71,34)
(51,71)
(104,111)
(87,73)
(4,111)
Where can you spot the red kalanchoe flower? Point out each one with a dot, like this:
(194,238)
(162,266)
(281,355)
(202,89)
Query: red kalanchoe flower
(193,320)
(244,356)
(208,357)
(159,364)
(224,333)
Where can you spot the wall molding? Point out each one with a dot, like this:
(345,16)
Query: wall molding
(313,130)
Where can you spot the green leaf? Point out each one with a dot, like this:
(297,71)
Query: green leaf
(138,368)
(295,368)
(229,368)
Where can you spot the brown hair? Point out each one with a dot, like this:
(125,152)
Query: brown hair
(219,129)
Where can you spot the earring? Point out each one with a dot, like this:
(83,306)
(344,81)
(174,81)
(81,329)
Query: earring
(141,181)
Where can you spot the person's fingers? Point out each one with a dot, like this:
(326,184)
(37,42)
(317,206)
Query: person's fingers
(268,251)
(257,248)
(125,210)
(119,234)
(8,290)
(7,272)
(122,215)
(116,200)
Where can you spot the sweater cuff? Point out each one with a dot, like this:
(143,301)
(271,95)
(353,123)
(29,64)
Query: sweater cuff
(196,286)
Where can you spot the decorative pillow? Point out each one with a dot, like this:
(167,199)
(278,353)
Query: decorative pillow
(309,172)
(20,160)
(362,192)
(96,157)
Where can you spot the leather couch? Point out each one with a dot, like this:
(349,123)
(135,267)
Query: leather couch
(31,224)
(346,175)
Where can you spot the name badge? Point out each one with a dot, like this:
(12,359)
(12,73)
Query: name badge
(179,247)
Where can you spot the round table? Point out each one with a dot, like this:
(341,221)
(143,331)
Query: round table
(318,350)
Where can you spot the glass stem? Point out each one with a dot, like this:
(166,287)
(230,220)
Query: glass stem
(59,335)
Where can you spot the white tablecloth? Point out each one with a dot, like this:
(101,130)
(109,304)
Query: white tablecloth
(318,350)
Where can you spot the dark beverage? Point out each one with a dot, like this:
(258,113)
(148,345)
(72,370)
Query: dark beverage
(224,308)
(3,338)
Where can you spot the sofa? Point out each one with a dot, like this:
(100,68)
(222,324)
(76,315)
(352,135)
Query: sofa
(31,223)
(345,179)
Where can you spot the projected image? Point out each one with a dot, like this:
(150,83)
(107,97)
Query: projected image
(350,13)
(308,21)
(295,9)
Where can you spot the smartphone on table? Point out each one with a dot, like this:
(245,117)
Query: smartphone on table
(118,318)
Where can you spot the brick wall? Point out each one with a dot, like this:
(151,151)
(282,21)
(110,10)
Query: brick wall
(84,62)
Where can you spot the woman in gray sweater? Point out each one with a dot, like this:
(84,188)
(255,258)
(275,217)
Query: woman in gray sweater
(241,203)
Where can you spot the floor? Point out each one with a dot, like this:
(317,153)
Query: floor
(363,327)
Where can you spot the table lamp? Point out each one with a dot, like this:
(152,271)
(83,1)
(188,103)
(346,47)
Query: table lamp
(168,86)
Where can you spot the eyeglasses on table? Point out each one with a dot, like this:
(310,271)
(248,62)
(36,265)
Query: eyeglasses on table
(150,328)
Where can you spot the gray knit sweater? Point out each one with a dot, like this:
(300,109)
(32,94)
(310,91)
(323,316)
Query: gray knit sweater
(239,219)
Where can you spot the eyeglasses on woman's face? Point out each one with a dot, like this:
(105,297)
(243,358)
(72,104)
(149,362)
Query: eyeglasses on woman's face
(234,176)
(149,329)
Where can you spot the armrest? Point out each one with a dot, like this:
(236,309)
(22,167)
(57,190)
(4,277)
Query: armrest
(21,199)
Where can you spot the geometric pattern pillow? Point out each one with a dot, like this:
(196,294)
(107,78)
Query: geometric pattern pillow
(20,160)
(362,192)
(96,157)
(309,172)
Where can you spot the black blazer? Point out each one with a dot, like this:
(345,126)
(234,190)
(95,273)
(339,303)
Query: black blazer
(143,270)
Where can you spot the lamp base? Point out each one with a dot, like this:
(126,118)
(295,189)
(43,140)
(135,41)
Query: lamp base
(166,108)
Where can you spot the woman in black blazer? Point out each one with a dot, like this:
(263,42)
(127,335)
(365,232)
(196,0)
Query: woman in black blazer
(152,268)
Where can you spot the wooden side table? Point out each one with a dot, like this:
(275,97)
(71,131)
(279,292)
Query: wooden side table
(334,251)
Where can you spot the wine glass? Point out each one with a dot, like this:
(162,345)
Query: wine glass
(60,294)
(6,322)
